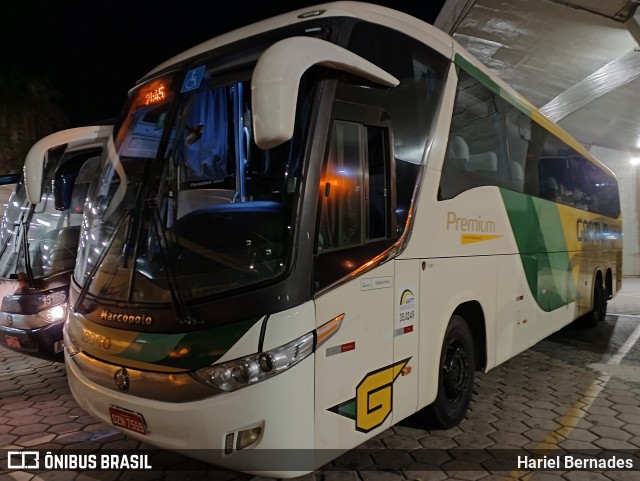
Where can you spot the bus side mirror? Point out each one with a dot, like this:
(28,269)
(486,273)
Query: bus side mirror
(80,169)
(63,180)
(276,78)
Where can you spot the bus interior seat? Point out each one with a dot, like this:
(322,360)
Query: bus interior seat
(517,176)
(196,199)
(484,163)
(459,152)
(550,188)
(62,247)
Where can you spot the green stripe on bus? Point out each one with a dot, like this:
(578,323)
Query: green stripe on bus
(478,74)
(538,232)
(191,350)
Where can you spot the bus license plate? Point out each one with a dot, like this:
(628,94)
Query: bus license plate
(12,341)
(128,420)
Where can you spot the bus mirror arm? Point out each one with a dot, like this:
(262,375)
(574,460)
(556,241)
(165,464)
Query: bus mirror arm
(276,79)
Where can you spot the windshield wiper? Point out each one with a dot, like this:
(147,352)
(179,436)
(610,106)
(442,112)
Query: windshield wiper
(90,275)
(27,256)
(177,296)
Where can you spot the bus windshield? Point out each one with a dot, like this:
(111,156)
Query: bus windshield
(40,240)
(11,262)
(186,204)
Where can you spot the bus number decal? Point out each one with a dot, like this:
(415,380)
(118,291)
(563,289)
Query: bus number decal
(97,340)
(54,298)
(406,307)
(374,398)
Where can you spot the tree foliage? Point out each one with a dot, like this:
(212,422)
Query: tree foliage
(29,110)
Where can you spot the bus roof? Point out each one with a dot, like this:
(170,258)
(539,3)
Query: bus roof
(401,21)
(409,25)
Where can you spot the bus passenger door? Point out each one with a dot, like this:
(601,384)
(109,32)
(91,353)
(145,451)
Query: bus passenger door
(354,287)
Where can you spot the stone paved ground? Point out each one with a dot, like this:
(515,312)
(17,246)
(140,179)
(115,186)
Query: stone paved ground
(576,390)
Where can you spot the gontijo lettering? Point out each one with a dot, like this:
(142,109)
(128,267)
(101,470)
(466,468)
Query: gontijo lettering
(593,231)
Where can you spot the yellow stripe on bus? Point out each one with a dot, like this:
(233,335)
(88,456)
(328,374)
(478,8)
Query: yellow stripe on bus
(473,238)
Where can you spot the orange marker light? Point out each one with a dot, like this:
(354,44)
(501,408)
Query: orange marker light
(329,328)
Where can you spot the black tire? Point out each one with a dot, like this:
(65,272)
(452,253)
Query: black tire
(455,379)
(599,311)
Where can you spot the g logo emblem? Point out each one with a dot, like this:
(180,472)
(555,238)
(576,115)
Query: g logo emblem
(121,379)
(374,398)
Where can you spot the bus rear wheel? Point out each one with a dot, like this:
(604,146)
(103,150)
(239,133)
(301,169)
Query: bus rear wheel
(600,298)
(455,379)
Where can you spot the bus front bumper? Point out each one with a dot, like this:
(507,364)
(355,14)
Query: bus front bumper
(277,413)
(43,342)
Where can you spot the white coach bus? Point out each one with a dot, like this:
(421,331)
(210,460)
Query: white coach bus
(39,234)
(307,229)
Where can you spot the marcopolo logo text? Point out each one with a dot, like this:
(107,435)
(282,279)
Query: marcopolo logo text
(107,315)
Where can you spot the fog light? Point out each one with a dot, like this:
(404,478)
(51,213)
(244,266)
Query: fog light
(58,346)
(248,437)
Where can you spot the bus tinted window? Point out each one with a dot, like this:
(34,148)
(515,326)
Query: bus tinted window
(569,178)
(493,143)
(341,220)
(410,105)
(478,149)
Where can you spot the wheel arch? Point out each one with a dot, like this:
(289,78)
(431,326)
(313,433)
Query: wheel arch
(596,278)
(608,282)
(473,314)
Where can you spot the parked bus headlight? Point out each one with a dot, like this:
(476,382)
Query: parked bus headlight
(239,373)
(56,313)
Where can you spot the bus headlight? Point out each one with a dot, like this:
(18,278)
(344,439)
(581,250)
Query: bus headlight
(239,373)
(55,313)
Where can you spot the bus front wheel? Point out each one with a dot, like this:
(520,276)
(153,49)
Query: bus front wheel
(455,377)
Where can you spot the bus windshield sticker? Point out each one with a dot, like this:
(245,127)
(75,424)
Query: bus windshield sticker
(376,283)
(406,308)
(192,79)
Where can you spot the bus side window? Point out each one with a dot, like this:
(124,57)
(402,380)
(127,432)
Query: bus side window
(355,203)
(355,200)
(341,218)
(482,148)
(567,177)
(518,140)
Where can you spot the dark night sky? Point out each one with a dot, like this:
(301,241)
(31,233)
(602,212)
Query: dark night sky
(95,51)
